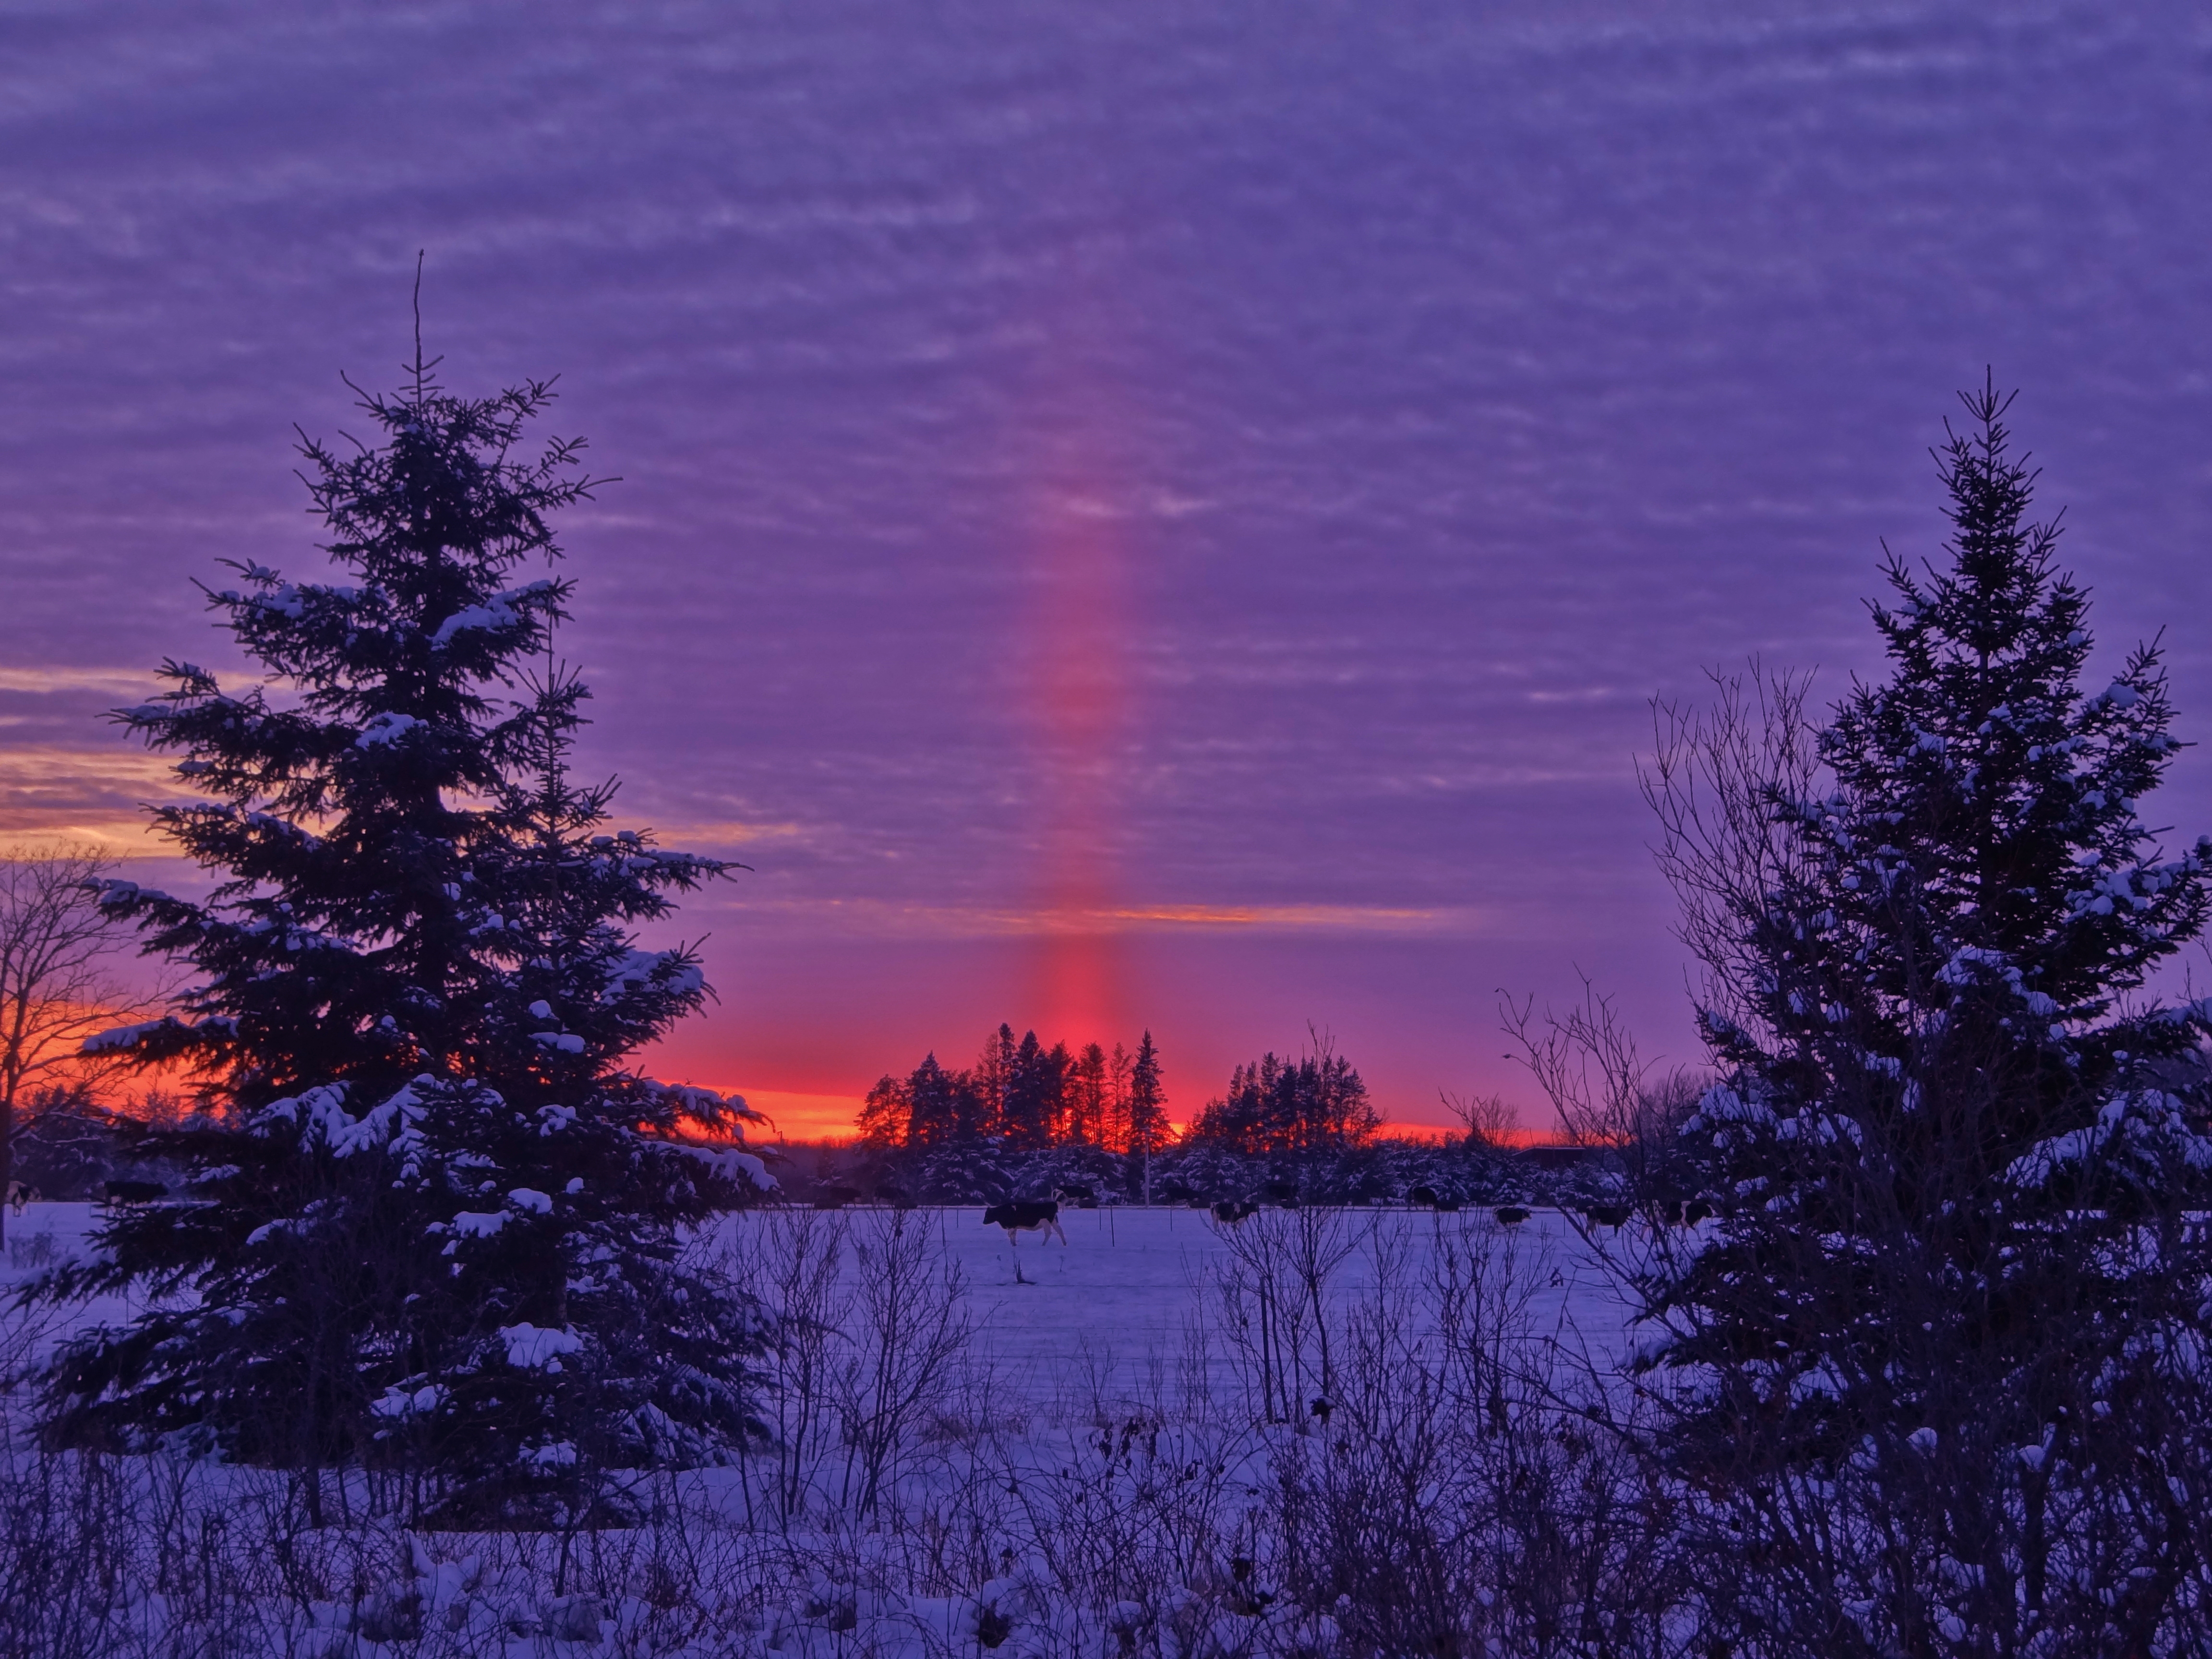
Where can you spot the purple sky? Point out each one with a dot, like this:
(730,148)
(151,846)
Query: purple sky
(1133,513)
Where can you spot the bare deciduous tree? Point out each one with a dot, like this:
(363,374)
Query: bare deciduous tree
(1608,1095)
(1488,1119)
(1715,780)
(1586,1062)
(56,989)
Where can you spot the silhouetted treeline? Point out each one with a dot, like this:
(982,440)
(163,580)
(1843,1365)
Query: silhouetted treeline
(1025,1096)
(1314,1104)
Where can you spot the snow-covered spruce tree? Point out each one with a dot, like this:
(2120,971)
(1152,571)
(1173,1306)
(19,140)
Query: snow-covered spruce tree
(1943,1345)
(433,1225)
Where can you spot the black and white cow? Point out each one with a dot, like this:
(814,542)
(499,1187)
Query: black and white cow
(1018,1216)
(1022,1217)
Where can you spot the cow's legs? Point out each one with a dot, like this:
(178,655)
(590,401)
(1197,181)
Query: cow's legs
(1014,1243)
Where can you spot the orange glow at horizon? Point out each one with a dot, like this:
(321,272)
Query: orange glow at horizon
(833,1117)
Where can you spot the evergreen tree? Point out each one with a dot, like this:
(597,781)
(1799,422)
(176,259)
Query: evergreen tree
(1089,1107)
(943,1105)
(1317,1104)
(993,1076)
(1147,1104)
(1113,1131)
(1955,1144)
(887,1113)
(435,1224)
(1034,1080)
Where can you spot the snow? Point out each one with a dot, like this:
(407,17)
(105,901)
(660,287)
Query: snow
(534,1348)
(120,1037)
(1125,1292)
(742,1165)
(1132,1297)
(393,1124)
(401,1403)
(385,729)
(114,891)
(503,611)
(634,971)
(1131,1287)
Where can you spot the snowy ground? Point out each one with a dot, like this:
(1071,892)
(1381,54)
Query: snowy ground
(42,1236)
(1008,1521)
(1118,1297)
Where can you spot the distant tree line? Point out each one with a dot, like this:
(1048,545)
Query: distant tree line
(1022,1096)
(1025,1096)
(1273,1106)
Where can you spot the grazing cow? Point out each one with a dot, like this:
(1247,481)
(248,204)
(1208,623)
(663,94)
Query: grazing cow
(1423,1197)
(119,1192)
(1608,1215)
(1511,1215)
(1079,1193)
(1284,1193)
(1019,1217)
(1695,1210)
(1229,1211)
(20,1193)
(897,1197)
(835,1198)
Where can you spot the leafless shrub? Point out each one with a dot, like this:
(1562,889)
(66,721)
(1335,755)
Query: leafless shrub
(1461,1497)
(1605,1092)
(1274,1296)
(793,1269)
(1487,1120)
(1712,780)
(908,1325)
(1586,1061)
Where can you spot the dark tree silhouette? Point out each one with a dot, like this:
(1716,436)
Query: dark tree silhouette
(435,1224)
(1316,1104)
(1956,1147)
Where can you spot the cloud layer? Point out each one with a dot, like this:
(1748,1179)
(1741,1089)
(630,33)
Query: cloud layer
(1221,480)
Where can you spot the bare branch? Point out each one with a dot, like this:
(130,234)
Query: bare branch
(1715,781)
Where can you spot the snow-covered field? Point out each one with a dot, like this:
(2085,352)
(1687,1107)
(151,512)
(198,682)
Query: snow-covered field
(1121,1297)
(1074,1475)
(66,1224)
(1121,1289)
